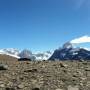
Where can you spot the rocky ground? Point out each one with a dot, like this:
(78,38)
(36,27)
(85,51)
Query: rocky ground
(44,75)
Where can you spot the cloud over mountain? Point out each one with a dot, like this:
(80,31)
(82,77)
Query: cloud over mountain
(83,39)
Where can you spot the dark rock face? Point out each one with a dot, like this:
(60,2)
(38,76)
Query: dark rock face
(24,59)
(9,88)
(70,53)
(3,67)
(35,89)
(33,70)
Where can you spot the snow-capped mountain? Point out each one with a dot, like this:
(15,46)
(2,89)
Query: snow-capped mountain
(10,51)
(26,54)
(35,56)
(68,52)
(43,55)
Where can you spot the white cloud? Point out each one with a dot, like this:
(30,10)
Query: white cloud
(83,39)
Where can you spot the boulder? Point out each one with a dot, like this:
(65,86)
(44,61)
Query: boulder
(3,67)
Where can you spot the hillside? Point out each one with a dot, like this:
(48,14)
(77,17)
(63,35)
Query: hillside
(7,58)
(44,75)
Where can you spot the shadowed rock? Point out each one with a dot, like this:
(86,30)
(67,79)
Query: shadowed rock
(9,88)
(33,70)
(3,67)
(24,59)
(35,89)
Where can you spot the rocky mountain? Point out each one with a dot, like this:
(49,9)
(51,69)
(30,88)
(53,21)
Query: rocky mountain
(68,52)
(10,52)
(43,55)
(26,54)
(35,56)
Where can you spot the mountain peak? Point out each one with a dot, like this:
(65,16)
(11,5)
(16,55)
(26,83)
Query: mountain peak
(69,52)
(25,54)
(67,45)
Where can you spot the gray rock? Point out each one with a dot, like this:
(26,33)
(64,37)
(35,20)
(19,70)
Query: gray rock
(3,67)
(73,87)
(59,89)
(2,85)
(21,86)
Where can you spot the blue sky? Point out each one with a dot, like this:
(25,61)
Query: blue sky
(42,24)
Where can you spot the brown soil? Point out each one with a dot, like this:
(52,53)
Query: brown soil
(44,75)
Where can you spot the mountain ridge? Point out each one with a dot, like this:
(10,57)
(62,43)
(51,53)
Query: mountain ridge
(25,54)
(68,52)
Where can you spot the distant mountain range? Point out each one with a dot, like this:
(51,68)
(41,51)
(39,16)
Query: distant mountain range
(68,52)
(10,52)
(26,54)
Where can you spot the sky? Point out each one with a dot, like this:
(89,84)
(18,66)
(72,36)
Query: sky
(41,25)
